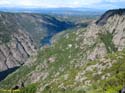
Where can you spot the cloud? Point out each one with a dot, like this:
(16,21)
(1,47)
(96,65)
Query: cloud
(114,1)
(63,3)
(3,2)
(49,3)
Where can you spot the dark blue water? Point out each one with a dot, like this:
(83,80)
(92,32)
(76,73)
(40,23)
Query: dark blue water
(5,73)
(46,41)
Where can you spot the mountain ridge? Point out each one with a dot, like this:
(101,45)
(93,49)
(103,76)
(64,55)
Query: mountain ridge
(87,60)
(50,10)
(108,14)
(38,25)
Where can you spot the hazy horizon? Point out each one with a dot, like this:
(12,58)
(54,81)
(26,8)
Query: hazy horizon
(95,4)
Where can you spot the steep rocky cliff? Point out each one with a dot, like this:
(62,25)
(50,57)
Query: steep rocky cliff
(111,34)
(16,51)
(90,60)
(37,25)
(103,19)
(19,30)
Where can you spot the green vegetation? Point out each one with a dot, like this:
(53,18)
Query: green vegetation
(68,70)
(116,80)
(5,38)
(106,38)
(29,89)
(112,84)
(5,34)
(14,78)
(62,59)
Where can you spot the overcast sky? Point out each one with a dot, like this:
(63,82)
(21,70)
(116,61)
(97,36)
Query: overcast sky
(102,4)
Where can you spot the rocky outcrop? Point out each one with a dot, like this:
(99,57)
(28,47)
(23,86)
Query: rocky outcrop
(79,60)
(108,14)
(17,51)
(108,33)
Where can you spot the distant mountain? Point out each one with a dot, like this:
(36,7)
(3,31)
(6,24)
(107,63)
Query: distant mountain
(68,11)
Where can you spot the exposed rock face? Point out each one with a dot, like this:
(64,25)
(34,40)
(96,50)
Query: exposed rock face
(16,52)
(79,59)
(108,32)
(15,29)
(38,25)
(108,14)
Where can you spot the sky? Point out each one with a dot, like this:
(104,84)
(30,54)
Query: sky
(102,4)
